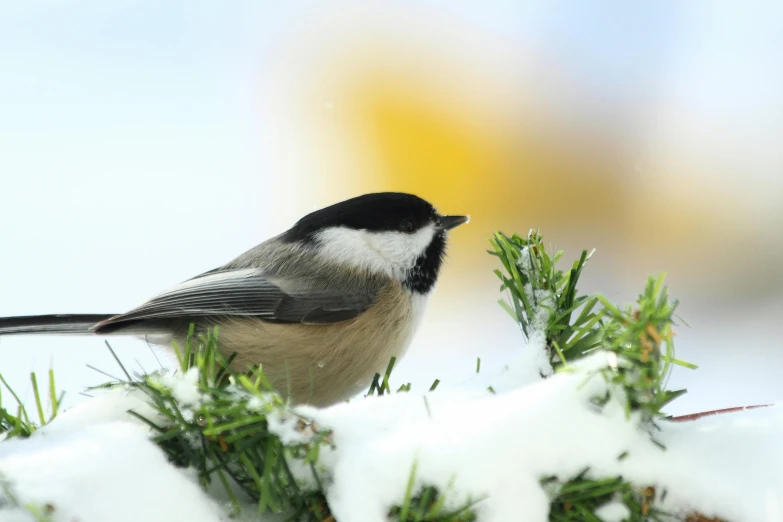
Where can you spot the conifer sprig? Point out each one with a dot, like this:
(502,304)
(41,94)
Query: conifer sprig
(19,424)
(224,431)
(640,337)
(533,283)
(227,437)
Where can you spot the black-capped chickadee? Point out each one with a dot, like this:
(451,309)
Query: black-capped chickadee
(323,306)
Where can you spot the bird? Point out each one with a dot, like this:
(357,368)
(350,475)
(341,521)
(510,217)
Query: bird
(322,307)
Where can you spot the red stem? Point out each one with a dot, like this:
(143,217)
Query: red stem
(694,416)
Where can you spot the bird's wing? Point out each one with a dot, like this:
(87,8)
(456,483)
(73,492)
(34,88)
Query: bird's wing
(247,293)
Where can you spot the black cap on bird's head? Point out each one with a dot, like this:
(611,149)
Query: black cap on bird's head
(379,212)
(402,229)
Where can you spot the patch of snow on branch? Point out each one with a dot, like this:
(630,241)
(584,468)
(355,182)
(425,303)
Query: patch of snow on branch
(108,406)
(107,471)
(497,448)
(471,445)
(535,360)
(614,511)
(533,363)
(183,387)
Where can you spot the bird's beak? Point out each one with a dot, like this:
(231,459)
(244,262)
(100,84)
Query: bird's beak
(449,222)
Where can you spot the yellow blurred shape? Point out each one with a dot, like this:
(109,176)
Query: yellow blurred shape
(465,136)
(505,173)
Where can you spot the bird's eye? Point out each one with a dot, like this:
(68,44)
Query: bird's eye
(406,225)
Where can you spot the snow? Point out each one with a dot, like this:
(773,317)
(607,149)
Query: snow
(95,463)
(102,408)
(497,447)
(105,471)
(614,511)
(287,427)
(182,387)
(525,261)
(534,361)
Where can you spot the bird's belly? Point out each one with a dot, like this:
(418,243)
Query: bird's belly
(325,364)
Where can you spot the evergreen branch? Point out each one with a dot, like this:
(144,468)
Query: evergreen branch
(222,429)
(640,338)
(19,424)
(537,290)
(228,426)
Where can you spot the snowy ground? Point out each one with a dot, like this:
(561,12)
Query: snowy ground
(95,463)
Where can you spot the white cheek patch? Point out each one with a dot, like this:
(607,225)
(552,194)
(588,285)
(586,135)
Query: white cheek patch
(392,253)
(401,249)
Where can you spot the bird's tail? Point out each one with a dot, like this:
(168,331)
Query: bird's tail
(77,324)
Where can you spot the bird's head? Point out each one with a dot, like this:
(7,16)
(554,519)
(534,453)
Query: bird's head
(397,234)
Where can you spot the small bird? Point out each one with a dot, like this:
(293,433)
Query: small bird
(322,307)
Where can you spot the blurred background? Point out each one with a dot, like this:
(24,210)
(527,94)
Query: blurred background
(142,143)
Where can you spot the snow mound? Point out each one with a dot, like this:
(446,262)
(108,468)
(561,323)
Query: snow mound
(95,462)
(98,472)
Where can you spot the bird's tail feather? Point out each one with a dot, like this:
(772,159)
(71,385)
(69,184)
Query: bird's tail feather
(77,324)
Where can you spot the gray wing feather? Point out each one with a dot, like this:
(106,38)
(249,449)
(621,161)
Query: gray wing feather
(248,292)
